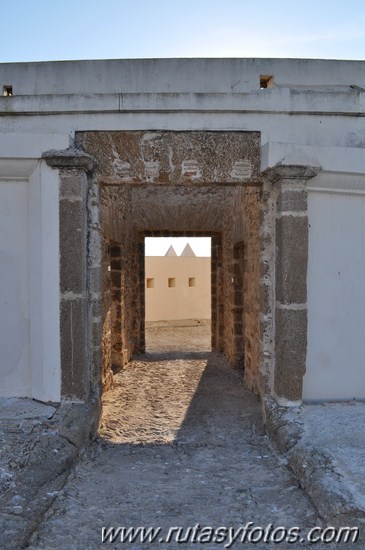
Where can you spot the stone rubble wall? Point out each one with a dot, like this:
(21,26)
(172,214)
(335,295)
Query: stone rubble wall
(251,284)
(119,251)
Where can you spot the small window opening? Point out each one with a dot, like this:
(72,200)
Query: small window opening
(7,90)
(171,282)
(150,283)
(266,81)
(191,281)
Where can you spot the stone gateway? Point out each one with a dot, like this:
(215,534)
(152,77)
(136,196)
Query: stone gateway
(97,155)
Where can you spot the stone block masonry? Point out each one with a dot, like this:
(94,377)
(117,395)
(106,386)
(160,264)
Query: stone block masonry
(291,251)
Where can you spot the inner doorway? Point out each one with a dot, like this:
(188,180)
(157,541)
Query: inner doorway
(173,184)
(178,294)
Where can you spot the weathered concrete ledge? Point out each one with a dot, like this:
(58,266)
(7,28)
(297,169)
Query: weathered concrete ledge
(274,100)
(316,469)
(37,484)
(69,159)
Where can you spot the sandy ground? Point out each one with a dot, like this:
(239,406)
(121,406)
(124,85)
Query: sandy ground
(181,444)
(165,377)
(178,336)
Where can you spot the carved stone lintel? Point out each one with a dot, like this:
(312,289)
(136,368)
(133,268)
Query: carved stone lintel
(68,159)
(292,172)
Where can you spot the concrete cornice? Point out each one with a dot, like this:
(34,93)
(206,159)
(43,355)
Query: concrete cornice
(68,159)
(273,101)
(338,182)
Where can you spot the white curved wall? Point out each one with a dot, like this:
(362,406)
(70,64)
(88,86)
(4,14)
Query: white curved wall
(14,289)
(336,296)
(29,283)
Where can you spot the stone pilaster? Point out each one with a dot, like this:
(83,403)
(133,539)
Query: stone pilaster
(73,166)
(291,259)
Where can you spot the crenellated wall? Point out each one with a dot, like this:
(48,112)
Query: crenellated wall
(188,296)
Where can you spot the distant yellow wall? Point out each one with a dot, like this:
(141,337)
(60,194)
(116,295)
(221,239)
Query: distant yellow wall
(164,302)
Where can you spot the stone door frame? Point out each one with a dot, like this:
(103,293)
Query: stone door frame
(283,272)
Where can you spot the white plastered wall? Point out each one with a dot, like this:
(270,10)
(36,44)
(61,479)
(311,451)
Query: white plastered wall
(14,288)
(44,282)
(336,290)
(29,280)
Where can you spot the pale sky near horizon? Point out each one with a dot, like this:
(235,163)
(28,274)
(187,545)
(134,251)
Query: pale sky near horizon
(40,30)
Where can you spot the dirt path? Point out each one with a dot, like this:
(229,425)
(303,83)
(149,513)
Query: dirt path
(181,444)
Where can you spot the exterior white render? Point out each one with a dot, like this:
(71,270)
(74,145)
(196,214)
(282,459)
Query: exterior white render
(312,114)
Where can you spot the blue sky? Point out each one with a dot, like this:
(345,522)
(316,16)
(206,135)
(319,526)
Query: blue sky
(36,30)
(40,30)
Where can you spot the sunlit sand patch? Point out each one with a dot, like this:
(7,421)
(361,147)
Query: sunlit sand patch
(150,401)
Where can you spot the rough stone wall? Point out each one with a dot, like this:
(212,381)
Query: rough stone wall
(107,373)
(174,158)
(218,304)
(242,291)
(251,288)
(180,209)
(226,302)
(235,231)
(118,266)
(267,287)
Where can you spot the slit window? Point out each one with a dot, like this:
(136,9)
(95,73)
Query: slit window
(7,90)
(266,81)
(191,281)
(171,282)
(150,283)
